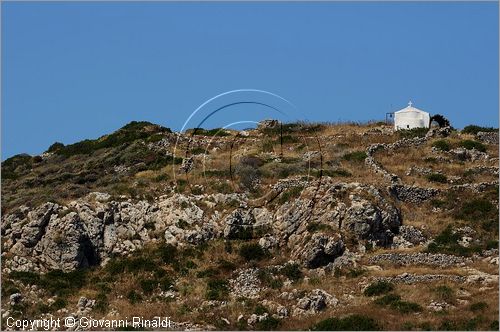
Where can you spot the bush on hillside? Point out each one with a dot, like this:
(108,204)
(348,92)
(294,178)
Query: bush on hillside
(412,133)
(292,272)
(355,156)
(476,210)
(378,288)
(354,322)
(442,145)
(209,132)
(470,144)
(56,146)
(473,129)
(252,251)
(131,132)
(217,289)
(437,177)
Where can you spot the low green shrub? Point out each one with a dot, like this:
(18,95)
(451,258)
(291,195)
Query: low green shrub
(248,176)
(56,282)
(293,127)
(460,325)
(395,302)
(207,273)
(406,307)
(165,283)
(9,288)
(56,146)
(140,264)
(148,285)
(470,144)
(217,289)
(354,322)
(388,299)
(59,303)
(473,129)
(350,273)
(282,170)
(26,277)
(226,265)
(412,133)
(253,251)
(197,150)
(438,203)
(276,284)
(355,156)
(102,303)
(134,297)
(478,306)
(445,293)
(127,134)
(16,165)
(378,288)
(268,324)
(317,227)
(290,194)
(162,177)
(476,210)
(292,271)
(356,272)
(260,309)
(437,177)
(446,242)
(442,145)
(492,244)
(209,132)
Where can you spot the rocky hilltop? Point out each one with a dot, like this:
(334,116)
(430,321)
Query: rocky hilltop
(293,226)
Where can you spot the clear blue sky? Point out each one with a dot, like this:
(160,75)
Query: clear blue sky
(79,70)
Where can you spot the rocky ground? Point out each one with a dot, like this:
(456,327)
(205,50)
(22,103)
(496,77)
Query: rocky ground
(341,227)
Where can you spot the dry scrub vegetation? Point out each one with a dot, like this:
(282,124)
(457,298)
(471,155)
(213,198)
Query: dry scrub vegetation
(132,164)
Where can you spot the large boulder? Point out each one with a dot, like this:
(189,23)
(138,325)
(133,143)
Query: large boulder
(488,137)
(239,224)
(38,220)
(66,245)
(320,250)
(89,230)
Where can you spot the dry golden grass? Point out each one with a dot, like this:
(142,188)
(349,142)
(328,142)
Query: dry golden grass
(335,142)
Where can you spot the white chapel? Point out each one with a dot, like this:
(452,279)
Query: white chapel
(411,117)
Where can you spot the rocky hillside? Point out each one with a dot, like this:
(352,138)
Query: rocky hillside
(293,226)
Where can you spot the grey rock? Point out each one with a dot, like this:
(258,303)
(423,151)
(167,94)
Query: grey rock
(239,223)
(468,155)
(438,132)
(187,164)
(412,234)
(66,244)
(15,298)
(268,123)
(268,242)
(246,284)
(320,250)
(315,301)
(488,137)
